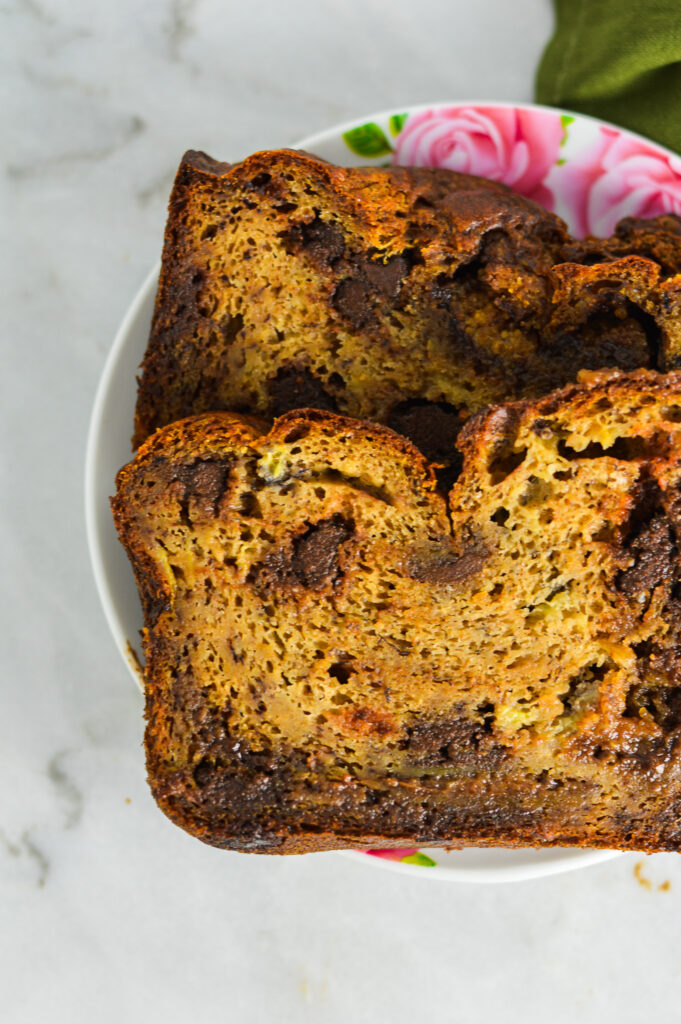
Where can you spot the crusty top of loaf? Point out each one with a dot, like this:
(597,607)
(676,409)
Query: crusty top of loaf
(336,655)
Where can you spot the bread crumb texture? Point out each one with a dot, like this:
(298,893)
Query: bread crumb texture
(337,654)
(408,296)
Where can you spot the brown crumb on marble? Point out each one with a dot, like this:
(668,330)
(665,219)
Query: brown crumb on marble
(640,877)
(646,882)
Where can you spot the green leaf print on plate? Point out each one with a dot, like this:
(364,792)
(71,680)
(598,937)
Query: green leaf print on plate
(396,123)
(367,140)
(421,859)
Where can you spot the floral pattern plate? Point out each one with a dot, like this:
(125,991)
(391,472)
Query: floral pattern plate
(590,173)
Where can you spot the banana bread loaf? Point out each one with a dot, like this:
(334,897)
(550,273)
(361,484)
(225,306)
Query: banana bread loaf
(336,655)
(402,295)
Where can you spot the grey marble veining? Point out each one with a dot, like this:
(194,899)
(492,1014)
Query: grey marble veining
(110,913)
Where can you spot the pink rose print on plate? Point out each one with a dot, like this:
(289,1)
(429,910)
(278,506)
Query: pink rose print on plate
(394,854)
(617,176)
(516,147)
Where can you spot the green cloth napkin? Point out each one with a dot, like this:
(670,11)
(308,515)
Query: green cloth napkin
(619,60)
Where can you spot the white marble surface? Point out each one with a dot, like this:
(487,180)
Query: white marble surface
(110,914)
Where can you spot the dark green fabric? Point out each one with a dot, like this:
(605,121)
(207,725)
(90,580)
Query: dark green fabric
(619,60)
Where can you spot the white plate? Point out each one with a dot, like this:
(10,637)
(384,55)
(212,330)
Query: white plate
(512,143)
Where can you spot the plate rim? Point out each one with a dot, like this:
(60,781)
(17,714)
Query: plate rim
(418,108)
(573,858)
(95,427)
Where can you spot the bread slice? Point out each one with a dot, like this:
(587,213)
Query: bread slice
(408,296)
(655,238)
(337,657)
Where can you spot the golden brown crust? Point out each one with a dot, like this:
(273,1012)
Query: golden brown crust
(655,238)
(410,296)
(335,659)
